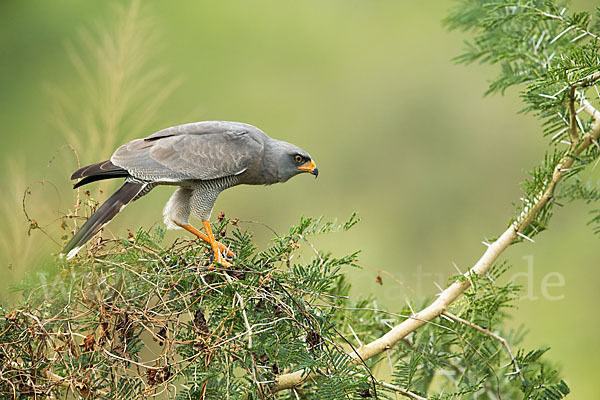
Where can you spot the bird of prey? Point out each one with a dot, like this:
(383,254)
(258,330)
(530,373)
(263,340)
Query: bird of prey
(202,159)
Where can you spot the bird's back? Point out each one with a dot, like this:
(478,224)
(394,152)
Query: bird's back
(197,151)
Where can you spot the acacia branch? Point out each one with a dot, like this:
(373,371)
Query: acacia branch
(573,116)
(569,25)
(491,334)
(588,80)
(481,267)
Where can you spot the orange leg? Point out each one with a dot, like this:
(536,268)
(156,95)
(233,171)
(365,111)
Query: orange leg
(207,238)
(214,244)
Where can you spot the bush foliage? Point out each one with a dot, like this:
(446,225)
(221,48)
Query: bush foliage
(134,319)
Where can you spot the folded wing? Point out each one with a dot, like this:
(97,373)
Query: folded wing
(180,153)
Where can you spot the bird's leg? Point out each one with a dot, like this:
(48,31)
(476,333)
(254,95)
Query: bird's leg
(204,237)
(214,244)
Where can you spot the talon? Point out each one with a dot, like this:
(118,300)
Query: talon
(225,249)
(210,239)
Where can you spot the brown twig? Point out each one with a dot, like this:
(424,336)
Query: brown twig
(573,130)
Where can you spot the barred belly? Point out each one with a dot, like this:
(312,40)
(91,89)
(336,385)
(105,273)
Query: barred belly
(197,198)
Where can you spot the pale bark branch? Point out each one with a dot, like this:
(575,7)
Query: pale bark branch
(590,109)
(481,267)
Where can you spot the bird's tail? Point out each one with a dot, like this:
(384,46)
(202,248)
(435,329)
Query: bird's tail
(102,216)
(96,172)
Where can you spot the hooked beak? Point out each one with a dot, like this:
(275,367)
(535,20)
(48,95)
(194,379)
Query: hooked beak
(310,167)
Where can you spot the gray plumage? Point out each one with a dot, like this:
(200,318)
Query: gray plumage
(202,159)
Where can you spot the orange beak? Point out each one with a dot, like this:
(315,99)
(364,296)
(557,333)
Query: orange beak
(310,167)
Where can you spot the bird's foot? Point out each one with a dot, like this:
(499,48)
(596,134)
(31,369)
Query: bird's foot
(223,262)
(209,238)
(216,246)
(225,249)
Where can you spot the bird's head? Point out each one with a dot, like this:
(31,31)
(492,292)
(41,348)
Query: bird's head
(291,161)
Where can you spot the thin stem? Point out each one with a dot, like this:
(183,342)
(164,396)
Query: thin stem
(573,117)
(395,388)
(492,335)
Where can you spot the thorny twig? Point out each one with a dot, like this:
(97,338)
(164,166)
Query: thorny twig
(492,335)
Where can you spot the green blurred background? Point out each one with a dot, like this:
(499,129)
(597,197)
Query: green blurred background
(401,135)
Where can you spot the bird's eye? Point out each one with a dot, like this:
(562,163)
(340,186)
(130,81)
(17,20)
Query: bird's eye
(298,158)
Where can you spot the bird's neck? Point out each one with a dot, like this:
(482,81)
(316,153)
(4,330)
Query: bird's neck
(270,162)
